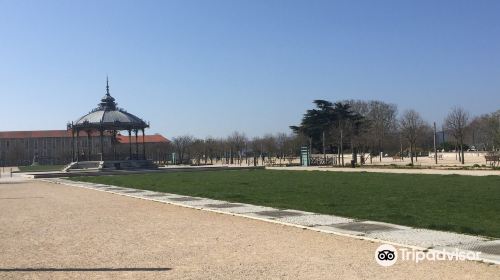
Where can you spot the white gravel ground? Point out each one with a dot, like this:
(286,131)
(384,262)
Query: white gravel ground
(201,203)
(245,209)
(315,220)
(425,238)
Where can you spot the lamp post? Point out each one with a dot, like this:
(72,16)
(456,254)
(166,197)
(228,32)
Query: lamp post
(435,149)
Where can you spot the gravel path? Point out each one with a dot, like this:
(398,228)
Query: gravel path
(66,232)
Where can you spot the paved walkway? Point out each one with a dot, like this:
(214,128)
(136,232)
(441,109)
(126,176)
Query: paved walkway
(57,231)
(395,170)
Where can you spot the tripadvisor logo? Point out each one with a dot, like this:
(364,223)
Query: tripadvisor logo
(387,255)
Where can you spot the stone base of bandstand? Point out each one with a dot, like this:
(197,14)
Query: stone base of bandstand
(107,165)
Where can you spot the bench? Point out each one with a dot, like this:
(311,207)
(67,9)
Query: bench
(397,157)
(439,156)
(492,159)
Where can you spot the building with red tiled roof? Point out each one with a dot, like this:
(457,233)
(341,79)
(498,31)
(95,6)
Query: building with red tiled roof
(39,134)
(55,146)
(155,138)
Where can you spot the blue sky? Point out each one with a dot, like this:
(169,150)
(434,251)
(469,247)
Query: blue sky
(213,67)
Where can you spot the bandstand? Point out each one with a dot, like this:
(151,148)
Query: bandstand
(104,123)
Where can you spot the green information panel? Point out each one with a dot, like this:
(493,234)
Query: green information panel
(304,156)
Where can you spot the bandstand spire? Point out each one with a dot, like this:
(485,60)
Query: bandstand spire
(107,102)
(107,85)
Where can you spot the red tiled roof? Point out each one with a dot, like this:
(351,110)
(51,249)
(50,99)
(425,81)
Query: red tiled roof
(156,138)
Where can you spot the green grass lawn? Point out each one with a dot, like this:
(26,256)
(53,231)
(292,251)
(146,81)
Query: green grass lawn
(466,204)
(39,168)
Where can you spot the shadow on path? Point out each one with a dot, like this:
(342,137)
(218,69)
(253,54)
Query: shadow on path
(51,269)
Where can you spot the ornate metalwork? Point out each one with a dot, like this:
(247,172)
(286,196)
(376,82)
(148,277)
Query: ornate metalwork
(107,117)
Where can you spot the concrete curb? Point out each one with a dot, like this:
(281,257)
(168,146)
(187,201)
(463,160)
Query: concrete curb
(59,174)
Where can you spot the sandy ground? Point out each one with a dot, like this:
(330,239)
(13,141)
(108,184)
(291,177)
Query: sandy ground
(88,234)
(448,159)
(445,160)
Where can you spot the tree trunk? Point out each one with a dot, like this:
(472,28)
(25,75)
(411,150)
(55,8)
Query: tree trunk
(400,148)
(462,151)
(324,150)
(338,154)
(380,149)
(411,153)
(354,153)
(342,146)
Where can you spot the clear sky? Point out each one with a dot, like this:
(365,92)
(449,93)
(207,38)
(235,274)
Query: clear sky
(211,67)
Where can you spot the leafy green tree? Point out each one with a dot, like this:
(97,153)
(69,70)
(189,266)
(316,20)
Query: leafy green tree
(329,119)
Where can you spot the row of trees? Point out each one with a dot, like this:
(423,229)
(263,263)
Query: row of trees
(349,126)
(235,149)
(373,127)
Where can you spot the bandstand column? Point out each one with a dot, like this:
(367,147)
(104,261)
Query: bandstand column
(101,140)
(130,143)
(72,145)
(136,144)
(77,145)
(143,146)
(113,143)
(89,144)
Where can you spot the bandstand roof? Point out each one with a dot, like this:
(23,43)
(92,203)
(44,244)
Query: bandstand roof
(108,116)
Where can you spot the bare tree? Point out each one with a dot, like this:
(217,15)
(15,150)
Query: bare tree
(210,149)
(485,131)
(269,146)
(182,145)
(237,142)
(256,147)
(281,143)
(380,125)
(383,120)
(411,124)
(456,122)
(223,147)
(197,151)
